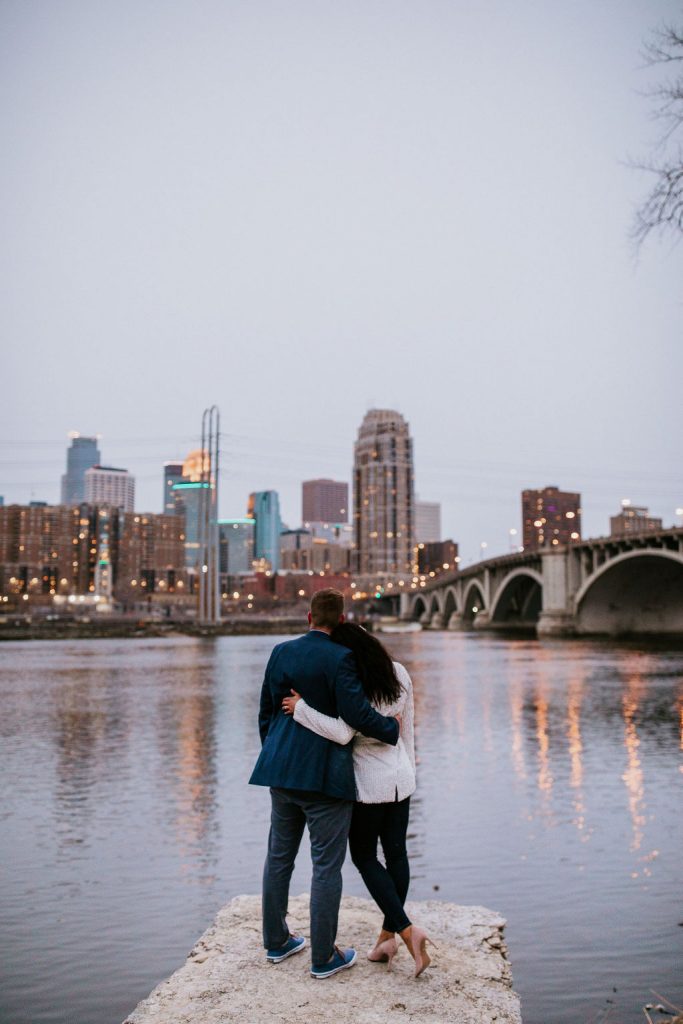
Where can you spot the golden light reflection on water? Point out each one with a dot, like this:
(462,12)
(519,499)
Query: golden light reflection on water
(633,776)
(575,696)
(544,777)
(516,698)
(188,742)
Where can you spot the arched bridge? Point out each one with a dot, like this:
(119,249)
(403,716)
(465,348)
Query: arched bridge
(609,586)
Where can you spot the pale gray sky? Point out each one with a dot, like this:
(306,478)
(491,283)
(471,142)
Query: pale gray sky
(300,209)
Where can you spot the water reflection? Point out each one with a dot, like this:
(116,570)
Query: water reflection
(633,776)
(516,694)
(89,732)
(186,731)
(126,801)
(574,700)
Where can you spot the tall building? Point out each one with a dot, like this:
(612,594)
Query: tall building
(437,556)
(173,474)
(550,517)
(632,519)
(236,546)
(384,501)
(82,454)
(188,502)
(264,509)
(187,498)
(107,485)
(325,501)
(427,522)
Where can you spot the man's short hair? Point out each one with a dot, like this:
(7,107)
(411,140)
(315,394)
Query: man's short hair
(327,608)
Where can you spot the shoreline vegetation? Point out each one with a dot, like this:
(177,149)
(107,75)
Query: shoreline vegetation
(30,628)
(257,623)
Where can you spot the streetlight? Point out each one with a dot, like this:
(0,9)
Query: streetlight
(679,513)
(482,550)
(512,532)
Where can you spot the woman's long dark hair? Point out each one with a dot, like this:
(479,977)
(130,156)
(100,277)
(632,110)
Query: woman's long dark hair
(375,667)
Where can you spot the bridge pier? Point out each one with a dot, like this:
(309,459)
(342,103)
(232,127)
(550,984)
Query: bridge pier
(482,620)
(555,623)
(436,621)
(456,622)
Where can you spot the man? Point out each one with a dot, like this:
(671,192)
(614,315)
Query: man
(311,780)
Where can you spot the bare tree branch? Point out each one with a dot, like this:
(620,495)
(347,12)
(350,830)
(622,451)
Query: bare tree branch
(662,209)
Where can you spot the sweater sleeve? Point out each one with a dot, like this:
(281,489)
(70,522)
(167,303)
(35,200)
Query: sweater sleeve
(334,729)
(408,717)
(354,707)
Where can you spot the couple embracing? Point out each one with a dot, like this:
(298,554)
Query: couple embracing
(336,724)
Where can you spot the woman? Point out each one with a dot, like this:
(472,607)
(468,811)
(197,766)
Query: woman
(385,780)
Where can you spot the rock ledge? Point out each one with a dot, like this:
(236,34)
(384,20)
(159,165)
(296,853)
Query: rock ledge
(226,978)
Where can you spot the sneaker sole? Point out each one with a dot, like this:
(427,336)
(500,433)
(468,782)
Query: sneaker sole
(335,970)
(279,959)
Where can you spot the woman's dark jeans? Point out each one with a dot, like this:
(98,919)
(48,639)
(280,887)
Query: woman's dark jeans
(388,885)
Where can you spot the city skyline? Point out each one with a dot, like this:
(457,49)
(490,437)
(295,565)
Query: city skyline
(320,210)
(471,547)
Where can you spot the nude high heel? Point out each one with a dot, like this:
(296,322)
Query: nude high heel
(418,944)
(384,952)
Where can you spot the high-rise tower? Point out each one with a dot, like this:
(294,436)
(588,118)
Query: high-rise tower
(325,501)
(264,508)
(173,474)
(384,500)
(82,454)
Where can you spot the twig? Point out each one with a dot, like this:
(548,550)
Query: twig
(663,999)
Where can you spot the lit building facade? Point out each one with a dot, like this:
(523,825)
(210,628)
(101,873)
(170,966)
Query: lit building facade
(550,517)
(427,522)
(107,485)
(632,519)
(384,501)
(325,501)
(173,474)
(302,551)
(264,509)
(188,503)
(151,557)
(83,453)
(92,551)
(437,556)
(50,550)
(236,546)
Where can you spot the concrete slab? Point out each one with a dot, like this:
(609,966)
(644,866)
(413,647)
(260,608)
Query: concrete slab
(226,978)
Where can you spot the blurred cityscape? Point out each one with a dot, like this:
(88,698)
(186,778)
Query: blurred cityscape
(95,551)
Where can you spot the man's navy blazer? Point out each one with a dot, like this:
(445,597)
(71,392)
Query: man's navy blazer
(293,757)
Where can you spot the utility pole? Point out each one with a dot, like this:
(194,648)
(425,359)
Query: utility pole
(208,568)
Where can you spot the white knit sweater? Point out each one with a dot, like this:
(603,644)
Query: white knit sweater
(383,773)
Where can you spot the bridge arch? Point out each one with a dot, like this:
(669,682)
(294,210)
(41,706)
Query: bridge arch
(473,601)
(519,599)
(449,605)
(418,607)
(637,591)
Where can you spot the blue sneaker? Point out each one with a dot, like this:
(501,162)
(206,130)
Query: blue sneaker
(294,944)
(342,959)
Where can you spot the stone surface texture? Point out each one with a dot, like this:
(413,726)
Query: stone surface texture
(226,977)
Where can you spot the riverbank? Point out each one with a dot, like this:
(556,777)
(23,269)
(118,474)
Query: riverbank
(122,628)
(226,977)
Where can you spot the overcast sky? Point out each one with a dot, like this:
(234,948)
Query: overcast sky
(299,210)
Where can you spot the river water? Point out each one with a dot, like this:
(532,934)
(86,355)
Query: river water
(550,783)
